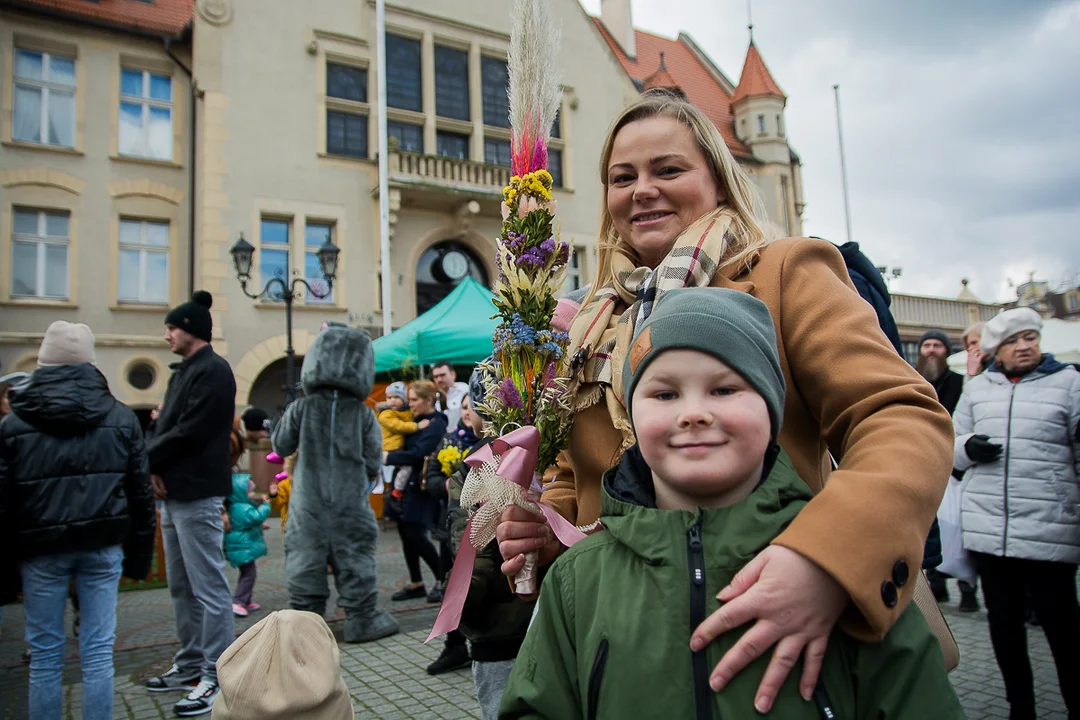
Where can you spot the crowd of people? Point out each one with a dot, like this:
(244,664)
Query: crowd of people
(759,469)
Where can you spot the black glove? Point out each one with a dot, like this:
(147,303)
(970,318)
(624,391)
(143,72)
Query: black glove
(392,507)
(981,450)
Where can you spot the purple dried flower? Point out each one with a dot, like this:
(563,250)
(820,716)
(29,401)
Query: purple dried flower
(532,258)
(562,254)
(549,375)
(509,394)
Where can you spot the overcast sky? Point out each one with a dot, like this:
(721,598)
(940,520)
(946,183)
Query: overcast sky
(961,126)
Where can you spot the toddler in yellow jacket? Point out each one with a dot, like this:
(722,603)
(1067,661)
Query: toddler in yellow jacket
(396,421)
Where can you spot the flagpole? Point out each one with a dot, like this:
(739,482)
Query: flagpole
(843,165)
(384,167)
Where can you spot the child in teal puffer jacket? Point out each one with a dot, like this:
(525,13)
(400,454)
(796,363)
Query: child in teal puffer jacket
(244,543)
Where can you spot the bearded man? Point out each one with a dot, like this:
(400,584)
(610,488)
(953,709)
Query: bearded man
(933,351)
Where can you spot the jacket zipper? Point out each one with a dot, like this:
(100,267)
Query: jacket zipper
(1008,436)
(595,677)
(696,556)
(824,705)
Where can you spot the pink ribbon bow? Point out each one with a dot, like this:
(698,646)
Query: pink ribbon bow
(516,454)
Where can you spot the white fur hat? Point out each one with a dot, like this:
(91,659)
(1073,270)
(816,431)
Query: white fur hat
(1007,324)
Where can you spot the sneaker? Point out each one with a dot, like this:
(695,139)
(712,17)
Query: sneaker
(253,607)
(239,610)
(452,657)
(172,679)
(408,593)
(436,594)
(968,602)
(199,701)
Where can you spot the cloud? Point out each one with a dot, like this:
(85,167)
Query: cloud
(960,126)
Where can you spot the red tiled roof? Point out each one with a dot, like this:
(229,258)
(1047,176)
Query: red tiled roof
(661,78)
(686,72)
(755,79)
(162,17)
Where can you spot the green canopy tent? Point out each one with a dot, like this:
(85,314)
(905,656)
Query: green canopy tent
(457,330)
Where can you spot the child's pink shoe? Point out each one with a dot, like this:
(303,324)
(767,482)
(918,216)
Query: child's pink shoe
(274,459)
(253,607)
(239,610)
(281,476)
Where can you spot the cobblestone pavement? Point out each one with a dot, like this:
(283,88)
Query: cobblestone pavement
(387,679)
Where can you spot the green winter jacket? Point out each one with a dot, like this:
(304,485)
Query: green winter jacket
(244,543)
(611,638)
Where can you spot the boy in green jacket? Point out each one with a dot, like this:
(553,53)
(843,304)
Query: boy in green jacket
(702,493)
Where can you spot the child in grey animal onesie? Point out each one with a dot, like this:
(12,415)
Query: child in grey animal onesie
(330,517)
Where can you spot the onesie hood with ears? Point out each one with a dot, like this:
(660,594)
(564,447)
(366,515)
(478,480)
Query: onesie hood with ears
(341,358)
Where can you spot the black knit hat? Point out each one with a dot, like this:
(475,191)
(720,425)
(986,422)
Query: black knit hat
(254,419)
(194,315)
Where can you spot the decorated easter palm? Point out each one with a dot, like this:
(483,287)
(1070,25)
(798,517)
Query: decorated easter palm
(527,393)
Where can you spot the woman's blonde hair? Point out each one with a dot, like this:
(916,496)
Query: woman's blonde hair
(743,199)
(974,330)
(426,390)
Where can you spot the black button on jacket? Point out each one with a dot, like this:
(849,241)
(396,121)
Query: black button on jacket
(73,472)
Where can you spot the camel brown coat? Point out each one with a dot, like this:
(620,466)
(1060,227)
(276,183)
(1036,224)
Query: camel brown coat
(848,394)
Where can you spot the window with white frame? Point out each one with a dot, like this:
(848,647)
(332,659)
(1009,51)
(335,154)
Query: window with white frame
(494,78)
(44,98)
(496,151)
(146,114)
(39,254)
(761,123)
(555,166)
(274,239)
(575,271)
(346,118)
(143,274)
(315,234)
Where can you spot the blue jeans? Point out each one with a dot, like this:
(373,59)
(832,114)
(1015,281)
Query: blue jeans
(45,593)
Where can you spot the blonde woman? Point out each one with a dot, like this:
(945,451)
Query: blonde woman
(678,211)
(418,508)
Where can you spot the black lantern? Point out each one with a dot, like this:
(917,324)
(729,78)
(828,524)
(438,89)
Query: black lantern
(328,257)
(283,287)
(242,252)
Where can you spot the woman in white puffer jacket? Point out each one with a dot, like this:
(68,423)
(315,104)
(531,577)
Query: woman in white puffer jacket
(1017,428)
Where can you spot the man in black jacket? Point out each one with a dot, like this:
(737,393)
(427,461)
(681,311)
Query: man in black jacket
(934,349)
(75,504)
(190,470)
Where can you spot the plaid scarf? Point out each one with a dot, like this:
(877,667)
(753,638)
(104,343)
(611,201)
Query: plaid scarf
(601,333)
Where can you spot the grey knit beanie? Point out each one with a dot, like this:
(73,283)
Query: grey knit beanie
(398,389)
(66,343)
(732,326)
(935,334)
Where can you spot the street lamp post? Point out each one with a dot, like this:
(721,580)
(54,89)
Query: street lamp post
(280,288)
